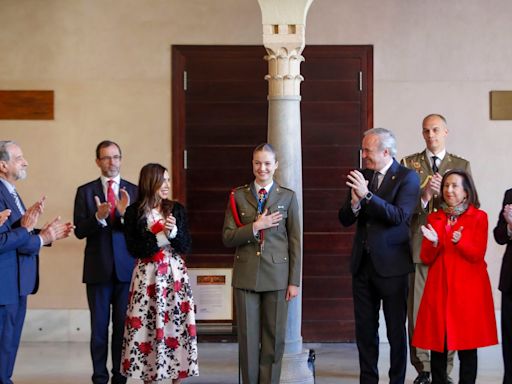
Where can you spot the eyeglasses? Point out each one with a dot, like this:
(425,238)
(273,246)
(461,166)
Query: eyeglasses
(110,158)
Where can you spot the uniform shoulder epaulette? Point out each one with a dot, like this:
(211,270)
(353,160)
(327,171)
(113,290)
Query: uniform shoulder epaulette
(406,160)
(417,154)
(245,186)
(458,157)
(286,188)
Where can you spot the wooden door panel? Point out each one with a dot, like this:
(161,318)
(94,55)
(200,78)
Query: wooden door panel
(222,134)
(329,133)
(338,91)
(321,220)
(239,114)
(226,91)
(218,180)
(317,288)
(327,265)
(330,112)
(222,115)
(228,68)
(325,329)
(336,308)
(330,68)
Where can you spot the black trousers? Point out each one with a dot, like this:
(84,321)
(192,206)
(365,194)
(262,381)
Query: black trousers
(370,290)
(468,366)
(506,335)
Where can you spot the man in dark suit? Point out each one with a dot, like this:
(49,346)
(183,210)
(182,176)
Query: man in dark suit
(382,200)
(503,235)
(19,253)
(108,266)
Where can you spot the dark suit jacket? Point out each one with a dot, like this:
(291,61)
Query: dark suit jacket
(383,222)
(19,254)
(501,237)
(105,249)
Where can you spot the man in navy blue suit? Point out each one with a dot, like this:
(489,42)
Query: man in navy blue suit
(98,216)
(381,201)
(19,253)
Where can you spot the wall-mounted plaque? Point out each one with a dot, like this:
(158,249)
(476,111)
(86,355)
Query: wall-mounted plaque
(501,105)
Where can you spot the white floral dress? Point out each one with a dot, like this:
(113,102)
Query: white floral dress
(160,332)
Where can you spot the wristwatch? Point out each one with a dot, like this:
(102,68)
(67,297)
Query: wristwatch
(368,196)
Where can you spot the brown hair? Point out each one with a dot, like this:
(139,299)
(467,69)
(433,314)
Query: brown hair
(467,184)
(105,144)
(151,179)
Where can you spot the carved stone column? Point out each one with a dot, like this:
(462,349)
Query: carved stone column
(284,40)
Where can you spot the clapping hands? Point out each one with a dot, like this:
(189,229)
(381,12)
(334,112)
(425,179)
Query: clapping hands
(55,230)
(31,215)
(430,234)
(103,209)
(457,235)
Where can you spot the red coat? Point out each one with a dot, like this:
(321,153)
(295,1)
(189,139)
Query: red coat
(457,301)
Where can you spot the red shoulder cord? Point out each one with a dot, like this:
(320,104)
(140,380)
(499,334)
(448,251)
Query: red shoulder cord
(234,211)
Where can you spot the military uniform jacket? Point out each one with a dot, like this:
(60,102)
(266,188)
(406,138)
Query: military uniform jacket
(420,163)
(277,264)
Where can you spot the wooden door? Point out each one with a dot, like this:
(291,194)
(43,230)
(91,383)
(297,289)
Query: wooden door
(220,113)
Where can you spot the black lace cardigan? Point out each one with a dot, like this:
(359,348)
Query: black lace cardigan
(142,242)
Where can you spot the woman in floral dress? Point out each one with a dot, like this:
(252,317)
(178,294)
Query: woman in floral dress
(160,331)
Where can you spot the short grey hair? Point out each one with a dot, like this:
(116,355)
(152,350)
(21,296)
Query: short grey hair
(387,139)
(443,119)
(4,153)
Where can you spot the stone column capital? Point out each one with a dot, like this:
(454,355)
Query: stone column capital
(284,38)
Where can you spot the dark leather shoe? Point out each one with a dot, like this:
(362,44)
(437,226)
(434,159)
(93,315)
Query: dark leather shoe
(423,378)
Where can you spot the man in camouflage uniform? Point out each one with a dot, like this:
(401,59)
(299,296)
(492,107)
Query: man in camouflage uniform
(430,164)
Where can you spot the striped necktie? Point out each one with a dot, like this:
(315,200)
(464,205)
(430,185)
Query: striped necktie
(17,200)
(262,197)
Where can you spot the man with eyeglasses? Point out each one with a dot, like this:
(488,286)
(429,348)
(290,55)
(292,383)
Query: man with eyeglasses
(98,215)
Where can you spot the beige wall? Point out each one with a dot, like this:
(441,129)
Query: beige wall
(109,64)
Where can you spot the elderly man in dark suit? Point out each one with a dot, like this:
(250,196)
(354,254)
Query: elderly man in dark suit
(503,235)
(19,253)
(381,201)
(108,266)
(262,222)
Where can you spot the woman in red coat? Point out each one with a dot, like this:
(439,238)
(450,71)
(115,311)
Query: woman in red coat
(456,311)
